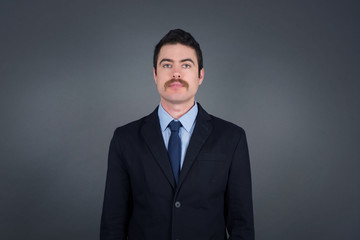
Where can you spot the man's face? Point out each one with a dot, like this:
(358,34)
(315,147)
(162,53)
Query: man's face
(177,76)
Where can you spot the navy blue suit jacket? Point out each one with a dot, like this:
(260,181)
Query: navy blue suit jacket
(213,194)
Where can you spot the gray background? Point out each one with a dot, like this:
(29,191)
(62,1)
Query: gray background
(286,71)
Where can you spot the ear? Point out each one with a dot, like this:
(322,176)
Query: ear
(201,78)
(154,74)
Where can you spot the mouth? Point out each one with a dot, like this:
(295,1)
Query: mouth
(176,83)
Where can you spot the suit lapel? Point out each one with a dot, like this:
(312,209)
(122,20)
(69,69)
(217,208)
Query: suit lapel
(153,138)
(201,132)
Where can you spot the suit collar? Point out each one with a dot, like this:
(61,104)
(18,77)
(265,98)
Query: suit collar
(153,138)
(152,134)
(201,132)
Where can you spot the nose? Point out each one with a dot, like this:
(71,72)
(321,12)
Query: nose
(176,75)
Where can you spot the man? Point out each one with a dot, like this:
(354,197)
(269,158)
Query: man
(178,173)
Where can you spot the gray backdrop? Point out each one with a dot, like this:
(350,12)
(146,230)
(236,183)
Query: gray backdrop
(286,71)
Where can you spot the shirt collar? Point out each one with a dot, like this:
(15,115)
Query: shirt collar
(187,120)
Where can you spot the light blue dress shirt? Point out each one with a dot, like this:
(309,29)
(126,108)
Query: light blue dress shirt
(187,122)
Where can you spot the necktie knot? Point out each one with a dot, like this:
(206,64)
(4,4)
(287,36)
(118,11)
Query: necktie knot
(174,126)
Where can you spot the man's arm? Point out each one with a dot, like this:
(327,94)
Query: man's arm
(117,199)
(238,198)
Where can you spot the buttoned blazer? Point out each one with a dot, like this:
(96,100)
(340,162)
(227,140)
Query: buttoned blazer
(142,200)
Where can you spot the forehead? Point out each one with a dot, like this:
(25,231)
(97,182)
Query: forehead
(177,52)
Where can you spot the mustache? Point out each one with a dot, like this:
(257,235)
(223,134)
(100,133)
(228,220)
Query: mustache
(184,83)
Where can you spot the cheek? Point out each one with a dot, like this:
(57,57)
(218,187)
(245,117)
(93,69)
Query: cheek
(159,85)
(196,83)
(163,77)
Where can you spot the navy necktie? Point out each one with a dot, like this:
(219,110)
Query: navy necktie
(174,148)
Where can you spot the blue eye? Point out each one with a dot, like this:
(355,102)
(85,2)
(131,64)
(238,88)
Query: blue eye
(186,66)
(166,65)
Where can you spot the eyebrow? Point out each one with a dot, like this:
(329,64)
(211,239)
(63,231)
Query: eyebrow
(166,60)
(170,60)
(188,60)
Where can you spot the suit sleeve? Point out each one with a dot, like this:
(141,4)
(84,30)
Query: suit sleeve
(117,202)
(238,197)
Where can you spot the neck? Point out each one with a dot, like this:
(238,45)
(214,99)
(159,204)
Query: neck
(177,110)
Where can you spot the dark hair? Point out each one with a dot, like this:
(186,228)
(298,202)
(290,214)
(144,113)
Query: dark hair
(179,36)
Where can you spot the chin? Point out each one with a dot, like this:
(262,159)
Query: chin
(178,100)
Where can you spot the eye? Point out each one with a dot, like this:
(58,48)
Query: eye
(186,65)
(167,65)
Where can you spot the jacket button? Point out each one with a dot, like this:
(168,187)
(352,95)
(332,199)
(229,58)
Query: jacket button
(177,204)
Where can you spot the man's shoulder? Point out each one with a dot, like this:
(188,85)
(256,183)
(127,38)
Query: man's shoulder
(226,126)
(216,120)
(135,126)
(220,124)
(130,127)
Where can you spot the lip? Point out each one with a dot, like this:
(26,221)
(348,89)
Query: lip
(176,84)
